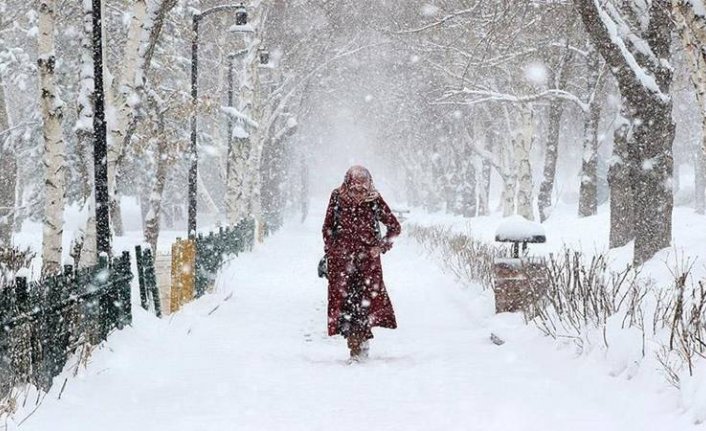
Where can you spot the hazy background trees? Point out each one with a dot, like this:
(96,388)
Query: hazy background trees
(466,106)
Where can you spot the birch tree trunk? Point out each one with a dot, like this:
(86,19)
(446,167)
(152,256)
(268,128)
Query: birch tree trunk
(242,193)
(691,28)
(87,248)
(551,154)
(434,198)
(125,100)
(523,146)
(258,135)
(484,192)
(508,173)
(588,190)
(143,34)
(304,192)
(54,146)
(468,204)
(151,227)
(8,174)
(699,178)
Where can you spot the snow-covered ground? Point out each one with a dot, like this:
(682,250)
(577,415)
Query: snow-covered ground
(254,356)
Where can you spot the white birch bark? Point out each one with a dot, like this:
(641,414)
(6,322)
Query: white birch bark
(242,194)
(523,146)
(163,160)
(145,28)
(123,100)
(691,29)
(54,146)
(8,174)
(85,243)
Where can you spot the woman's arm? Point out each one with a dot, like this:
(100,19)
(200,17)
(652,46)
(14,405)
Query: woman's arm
(390,222)
(329,222)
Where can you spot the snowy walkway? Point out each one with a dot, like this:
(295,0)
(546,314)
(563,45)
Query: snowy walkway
(261,361)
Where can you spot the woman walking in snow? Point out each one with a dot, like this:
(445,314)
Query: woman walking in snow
(357,299)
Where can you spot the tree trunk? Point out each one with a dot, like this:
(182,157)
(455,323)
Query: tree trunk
(304,192)
(523,146)
(243,194)
(654,201)
(8,174)
(551,155)
(486,167)
(237,198)
(588,190)
(452,186)
(143,34)
(151,227)
(620,172)
(54,146)
(468,187)
(644,85)
(124,99)
(434,199)
(691,28)
(86,250)
(700,174)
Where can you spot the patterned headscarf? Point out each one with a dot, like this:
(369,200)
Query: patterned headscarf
(357,174)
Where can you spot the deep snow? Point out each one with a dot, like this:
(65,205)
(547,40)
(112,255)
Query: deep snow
(254,355)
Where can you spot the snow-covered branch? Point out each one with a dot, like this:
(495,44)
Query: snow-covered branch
(236,114)
(484,96)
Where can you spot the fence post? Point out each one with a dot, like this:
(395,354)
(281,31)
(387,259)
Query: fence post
(141,277)
(20,335)
(151,282)
(74,306)
(22,295)
(200,261)
(101,275)
(122,290)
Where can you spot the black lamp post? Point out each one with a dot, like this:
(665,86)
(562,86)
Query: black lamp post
(100,147)
(264,56)
(241,18)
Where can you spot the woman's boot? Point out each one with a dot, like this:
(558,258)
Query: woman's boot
(354,342)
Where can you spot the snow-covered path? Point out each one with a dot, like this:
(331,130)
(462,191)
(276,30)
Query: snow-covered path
(254,356)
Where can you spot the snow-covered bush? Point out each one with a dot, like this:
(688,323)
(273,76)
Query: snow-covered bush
(469,259)
(624,317)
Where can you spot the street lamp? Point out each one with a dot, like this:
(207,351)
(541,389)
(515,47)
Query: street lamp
(264,56)
(241,15)
(100,146)
(241,19)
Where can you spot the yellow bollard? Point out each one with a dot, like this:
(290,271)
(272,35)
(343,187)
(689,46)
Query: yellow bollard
(183,273)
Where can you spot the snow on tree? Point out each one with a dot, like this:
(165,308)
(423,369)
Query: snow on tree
(638,52)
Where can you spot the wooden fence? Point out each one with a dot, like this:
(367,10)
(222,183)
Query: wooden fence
(42,323)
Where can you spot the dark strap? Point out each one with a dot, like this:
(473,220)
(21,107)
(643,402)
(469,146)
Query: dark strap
(337,216)
(376,219)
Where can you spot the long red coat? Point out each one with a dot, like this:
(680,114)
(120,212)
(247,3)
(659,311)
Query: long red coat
(355,236)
